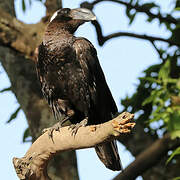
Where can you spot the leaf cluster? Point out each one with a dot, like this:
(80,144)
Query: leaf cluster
(156,101)
(135,6)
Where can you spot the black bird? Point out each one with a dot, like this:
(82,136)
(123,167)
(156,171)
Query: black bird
(72,80)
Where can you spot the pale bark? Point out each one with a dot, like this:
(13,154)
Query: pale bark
(33,165)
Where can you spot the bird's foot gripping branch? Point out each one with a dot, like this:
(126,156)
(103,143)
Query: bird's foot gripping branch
(33,165)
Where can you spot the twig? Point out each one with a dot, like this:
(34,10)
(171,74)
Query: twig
(33,165)
(158,51)
(139,8)
(102,39)
(146,37)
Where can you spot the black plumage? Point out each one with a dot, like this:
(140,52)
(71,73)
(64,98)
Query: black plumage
(72,80)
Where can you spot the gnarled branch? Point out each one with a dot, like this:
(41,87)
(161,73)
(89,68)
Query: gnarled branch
(12,34)
(33,165)
(102,39)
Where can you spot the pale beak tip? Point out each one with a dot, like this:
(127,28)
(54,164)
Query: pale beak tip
(94,18)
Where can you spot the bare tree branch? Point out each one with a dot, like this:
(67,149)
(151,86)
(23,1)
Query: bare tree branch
(12,34)
(148,158)
(8,6)
(145,37)
(102,39)
(167,18)
(33,165)
(52,6)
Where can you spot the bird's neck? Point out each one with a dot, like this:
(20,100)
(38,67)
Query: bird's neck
(57,33)
(63,27)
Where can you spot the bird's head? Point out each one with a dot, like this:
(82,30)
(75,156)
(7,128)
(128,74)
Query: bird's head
(73,18)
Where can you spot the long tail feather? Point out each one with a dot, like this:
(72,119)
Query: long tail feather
(108,154)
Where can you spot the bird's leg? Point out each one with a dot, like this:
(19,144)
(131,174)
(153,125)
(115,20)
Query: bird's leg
(74,127)
(57,126)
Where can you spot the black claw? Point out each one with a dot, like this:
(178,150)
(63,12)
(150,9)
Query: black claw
(74,127)
(50,130)
(50,134)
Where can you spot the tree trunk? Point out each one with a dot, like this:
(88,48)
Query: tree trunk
(14,48)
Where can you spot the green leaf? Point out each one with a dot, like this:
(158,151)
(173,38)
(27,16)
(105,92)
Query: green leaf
(174,124)
(5,89)
(158,116)
(176,178)
(149,19)
(177,9)
(131,13)
(176,152)
(150,79)
(154,96)
(148,100)
(128,12)
(178,84)
(14,115)
(149,6)
(175,34)
(175,134)
(132,18)
(23,5)
(172,81)
(153,68)
(165,70)
(177,4)
(26,135)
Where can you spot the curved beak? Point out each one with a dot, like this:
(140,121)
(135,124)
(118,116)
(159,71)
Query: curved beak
(82,14)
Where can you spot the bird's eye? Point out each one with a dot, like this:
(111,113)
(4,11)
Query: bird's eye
(65,11)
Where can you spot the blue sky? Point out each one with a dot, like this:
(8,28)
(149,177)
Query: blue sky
(122,59)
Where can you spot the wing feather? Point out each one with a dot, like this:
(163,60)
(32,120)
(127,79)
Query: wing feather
(102,102)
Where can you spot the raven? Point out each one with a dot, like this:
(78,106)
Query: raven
(72,80)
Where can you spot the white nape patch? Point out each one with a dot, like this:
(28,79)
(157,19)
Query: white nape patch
(54,15)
